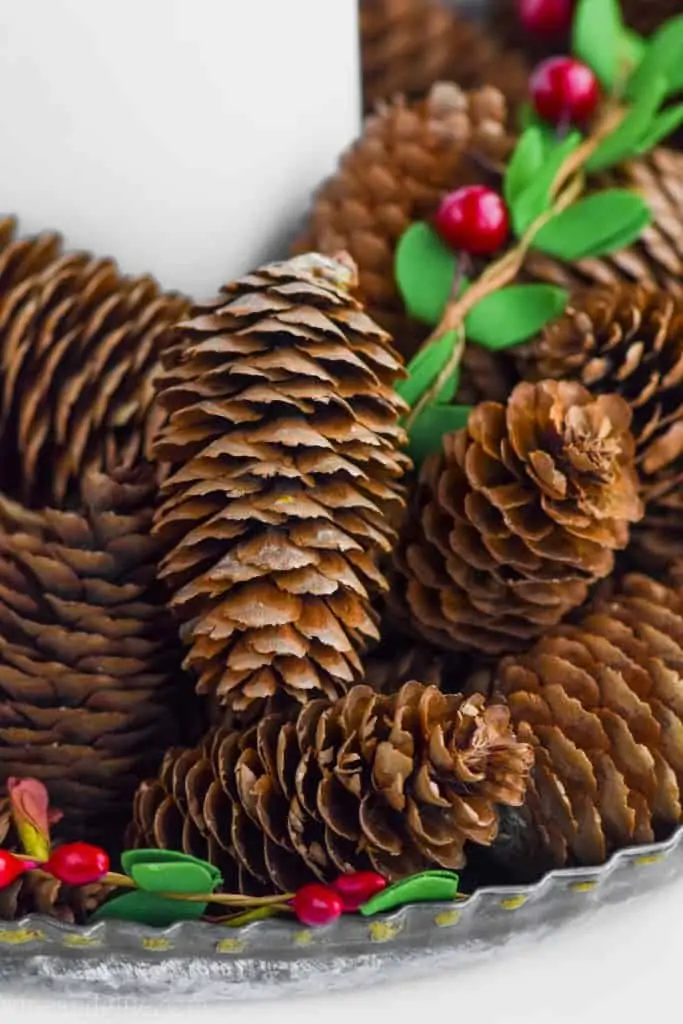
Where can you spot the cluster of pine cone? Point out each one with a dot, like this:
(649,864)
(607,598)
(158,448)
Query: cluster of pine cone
(233,619)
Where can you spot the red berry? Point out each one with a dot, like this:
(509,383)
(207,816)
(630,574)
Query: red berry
(78,863)
(358,888)
(10,868)
(546,18)
(564,89)
(316,904)
(474,219)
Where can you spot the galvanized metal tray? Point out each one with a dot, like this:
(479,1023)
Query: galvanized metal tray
(192,962)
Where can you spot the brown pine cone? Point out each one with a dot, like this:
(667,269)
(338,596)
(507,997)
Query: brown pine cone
(629,340)
(79,351)
(397,783)
(284,437)
(36,892)
(656,259)
(408,45)
(517,517)
(91,693)
(602,703)
(407,158)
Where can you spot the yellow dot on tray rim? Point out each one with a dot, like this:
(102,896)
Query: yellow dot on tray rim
(447,919)
(384,931)
(158,945)
(231,946)
(648,858)
(584,886)
(17,936)
(514,902)
(303,937)
(81,941)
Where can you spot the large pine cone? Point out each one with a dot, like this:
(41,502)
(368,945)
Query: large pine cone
(407,158)
(284,436)
(408,45)
(602,703)
(516,518)
(36,892)
(398,783)
(90,690)
(79,351)
(629,340)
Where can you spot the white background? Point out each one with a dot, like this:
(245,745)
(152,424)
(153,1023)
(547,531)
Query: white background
(624,965)
(184,137)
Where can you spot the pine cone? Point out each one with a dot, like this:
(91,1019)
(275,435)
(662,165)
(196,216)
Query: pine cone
(517,517)
(39,893)
(79,351)
(90,689)
(657,258)
(284,436)
(408,45)
(629,340)
(602,703)
(407,158)
(397,783)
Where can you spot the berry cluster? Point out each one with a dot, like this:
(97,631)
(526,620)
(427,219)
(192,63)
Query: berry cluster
(316,904)
(72,864)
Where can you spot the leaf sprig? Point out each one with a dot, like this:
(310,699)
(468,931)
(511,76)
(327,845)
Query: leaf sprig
(555,208)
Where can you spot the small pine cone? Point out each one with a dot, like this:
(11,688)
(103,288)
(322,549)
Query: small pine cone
(397,783)
(602,703)
(79,351)
(408,45)
(406,160)
(629,340)
(91,691)
(656,260)
(517,517)
(283,433)
(39,893)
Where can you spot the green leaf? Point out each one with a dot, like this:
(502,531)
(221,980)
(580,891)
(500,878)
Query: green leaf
(624,141)
(148,908)
(663,56)
(424,368)
(450,388)
(536,199)
(170,871)
(592,226)
(425,271)
(663,125)
(596,37)
(526,161)
(427,887)
(513,314)
(632,49)
(431,425)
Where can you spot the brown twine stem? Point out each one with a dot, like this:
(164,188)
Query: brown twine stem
(568,185)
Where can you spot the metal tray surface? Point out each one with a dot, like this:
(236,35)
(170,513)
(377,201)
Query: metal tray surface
(199,963)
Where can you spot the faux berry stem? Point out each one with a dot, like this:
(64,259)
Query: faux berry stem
(567,187)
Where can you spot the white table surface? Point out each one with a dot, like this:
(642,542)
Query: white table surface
(616,967)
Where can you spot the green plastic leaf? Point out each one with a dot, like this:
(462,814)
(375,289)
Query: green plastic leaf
(632,49)
(595,226)
(596,37)
(663,56)
(449,390)
(425,271)
(170,871)
(663,125)
(536,199)
(425,367)
(625,140)
(431,425)
(427,887)
(525,164)
(148,908)
(514,314)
